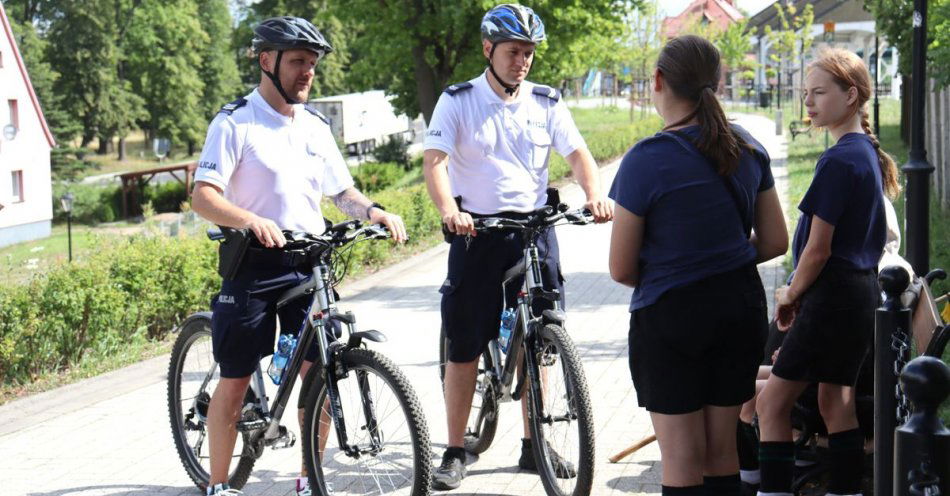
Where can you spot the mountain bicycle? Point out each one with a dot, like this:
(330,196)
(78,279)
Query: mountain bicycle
(543,356)
(382,441)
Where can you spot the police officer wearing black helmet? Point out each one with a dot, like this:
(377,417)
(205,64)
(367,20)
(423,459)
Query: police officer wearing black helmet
(267,161)
(488,143)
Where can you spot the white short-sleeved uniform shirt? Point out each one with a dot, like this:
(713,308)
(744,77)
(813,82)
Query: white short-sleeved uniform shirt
(498,151)
(275,166)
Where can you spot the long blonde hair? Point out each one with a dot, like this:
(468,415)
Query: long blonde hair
(848,70)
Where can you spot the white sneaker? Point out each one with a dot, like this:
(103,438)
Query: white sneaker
(223,490)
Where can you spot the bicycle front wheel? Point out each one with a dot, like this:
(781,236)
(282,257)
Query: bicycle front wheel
(192,377)
(388,451)
(565,424)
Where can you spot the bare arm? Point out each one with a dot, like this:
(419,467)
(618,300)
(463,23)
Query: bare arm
(356,205)
(626,240)
(770,236)
(814,257)
(435,168)
(584,169)
(208,201)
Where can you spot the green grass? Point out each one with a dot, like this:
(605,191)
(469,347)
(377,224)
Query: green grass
(138,157)
(15,259)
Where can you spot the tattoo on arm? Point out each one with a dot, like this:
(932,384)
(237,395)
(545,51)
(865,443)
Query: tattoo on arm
(352,203)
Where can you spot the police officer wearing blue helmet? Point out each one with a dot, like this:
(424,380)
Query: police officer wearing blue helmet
(267,161)
(487,146)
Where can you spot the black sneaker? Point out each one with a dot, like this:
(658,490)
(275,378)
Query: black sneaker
(450,473)
(563,469)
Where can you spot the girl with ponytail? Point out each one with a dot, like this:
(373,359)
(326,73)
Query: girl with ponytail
(828,308)
(696,210)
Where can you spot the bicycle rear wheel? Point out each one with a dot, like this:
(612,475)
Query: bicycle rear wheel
(191,363)
(565,424)
(483,416)
(385,427)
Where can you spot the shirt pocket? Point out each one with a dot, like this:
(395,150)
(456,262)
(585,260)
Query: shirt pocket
(485,138)
(539,142)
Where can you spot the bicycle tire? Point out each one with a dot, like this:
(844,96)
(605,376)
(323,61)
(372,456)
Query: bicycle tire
(553,346)
(482,421)
(416,437)
(196,329)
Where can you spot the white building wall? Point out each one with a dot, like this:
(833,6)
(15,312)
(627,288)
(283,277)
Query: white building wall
(29,151)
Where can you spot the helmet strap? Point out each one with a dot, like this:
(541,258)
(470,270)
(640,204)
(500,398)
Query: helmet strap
(510,90)
(276,80)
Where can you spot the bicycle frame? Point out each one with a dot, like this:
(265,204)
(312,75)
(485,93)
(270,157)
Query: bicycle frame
(321,310)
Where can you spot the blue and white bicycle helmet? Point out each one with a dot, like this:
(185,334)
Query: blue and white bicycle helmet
(512,22)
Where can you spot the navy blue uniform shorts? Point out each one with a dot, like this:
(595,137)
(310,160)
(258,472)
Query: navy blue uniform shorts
(244,315)
(472,292)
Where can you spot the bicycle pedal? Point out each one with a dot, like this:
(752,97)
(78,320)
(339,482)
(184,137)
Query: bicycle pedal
(285,439)
(250,425)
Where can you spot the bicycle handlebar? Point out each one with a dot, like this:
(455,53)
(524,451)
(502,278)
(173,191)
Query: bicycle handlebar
(337,235)
(536,220)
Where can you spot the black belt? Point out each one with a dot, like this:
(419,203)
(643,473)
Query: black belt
(276,257)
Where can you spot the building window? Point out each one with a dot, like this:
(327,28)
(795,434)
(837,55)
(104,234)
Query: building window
(17,177)
(14,115)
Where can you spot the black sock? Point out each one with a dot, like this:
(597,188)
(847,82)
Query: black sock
(722,485)
(777,463)
(699,490)
(846,450)
(748,446)
(455,452)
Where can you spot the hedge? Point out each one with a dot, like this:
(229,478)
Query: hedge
(140,287)
(131,289)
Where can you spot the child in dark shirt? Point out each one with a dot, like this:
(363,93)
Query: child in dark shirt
(687,201)
(828,308)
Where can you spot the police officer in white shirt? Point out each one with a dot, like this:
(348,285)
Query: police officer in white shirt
(267,161)
(488,143)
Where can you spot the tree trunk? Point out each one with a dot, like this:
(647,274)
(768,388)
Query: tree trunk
(191,148)
(122,149)
(905,108)
(426,83)
(103,145)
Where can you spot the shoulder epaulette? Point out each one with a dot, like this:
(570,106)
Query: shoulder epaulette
(317,113)
(455,88)
(229,108)
(547,91)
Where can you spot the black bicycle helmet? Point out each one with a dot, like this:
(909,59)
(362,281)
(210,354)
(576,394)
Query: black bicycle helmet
(510,22)
(287,33)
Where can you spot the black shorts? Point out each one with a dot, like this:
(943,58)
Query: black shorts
(700,344)
(243,322)
(472,292)
(833,329)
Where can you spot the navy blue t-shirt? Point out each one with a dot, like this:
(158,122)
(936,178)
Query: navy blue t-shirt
(693,226)
(846,193)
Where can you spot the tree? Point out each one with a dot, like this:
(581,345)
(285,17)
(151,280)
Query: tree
(414,48)
(734,44)
(218,71)
(164,43)
(792,40)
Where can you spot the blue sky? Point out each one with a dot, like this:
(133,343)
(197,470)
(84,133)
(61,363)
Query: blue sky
(674,7)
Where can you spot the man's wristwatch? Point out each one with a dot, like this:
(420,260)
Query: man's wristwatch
(371,207)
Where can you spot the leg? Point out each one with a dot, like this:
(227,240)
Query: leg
(776,451)
(845,441)
(223,414)
(721,467)
(682,443)
(458,390)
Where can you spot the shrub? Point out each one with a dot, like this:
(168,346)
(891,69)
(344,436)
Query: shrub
(394,150)
(127,291)
(92,203)
(374,176)
(165,197)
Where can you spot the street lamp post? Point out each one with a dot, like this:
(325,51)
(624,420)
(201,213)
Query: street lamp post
(67,202)
(917,169)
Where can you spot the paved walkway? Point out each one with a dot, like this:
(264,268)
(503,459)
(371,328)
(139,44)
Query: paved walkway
(110,435)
